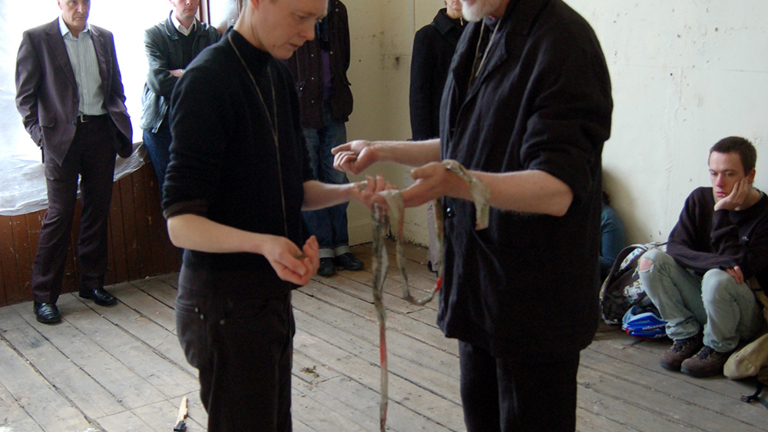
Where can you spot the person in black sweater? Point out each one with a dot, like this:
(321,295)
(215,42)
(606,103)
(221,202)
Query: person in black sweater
(716,255)
(238,180)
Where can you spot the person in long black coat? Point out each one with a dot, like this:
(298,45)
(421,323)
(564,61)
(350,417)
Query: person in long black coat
(433,48)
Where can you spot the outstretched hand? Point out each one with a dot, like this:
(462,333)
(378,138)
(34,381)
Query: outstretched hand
(291,263)
(354,156)
(434,180)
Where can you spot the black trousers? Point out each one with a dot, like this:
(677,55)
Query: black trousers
(501,395)
(91,158)
(243,349)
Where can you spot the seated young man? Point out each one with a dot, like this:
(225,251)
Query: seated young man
(716,252)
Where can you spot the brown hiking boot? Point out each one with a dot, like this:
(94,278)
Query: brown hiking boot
(706,363)
(681,350)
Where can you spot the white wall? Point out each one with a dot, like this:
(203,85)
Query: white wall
(685,73)
(382,37)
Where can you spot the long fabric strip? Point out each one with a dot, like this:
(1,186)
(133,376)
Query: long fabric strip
(385,220)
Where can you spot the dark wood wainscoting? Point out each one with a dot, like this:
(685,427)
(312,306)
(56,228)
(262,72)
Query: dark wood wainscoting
(138,240)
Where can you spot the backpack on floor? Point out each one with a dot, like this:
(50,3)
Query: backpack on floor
(621,289)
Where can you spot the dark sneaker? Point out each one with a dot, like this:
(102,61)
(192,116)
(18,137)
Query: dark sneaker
(681,350)
(327,268)
(706,363)
(348,261)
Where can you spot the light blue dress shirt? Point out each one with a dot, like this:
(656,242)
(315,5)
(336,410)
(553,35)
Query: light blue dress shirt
(82,56)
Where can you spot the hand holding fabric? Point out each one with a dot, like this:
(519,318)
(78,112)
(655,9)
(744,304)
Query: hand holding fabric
(434,180)
(366,192)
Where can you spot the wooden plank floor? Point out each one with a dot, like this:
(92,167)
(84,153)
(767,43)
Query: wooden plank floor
(121,368)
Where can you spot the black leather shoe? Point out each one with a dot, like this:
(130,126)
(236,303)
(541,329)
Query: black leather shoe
(47,313)
(100,296)
(327,268)
(348,261)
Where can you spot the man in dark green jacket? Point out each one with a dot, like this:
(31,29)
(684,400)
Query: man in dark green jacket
(170,46)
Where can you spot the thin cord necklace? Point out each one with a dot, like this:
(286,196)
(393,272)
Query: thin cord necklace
(476,71)
(272,123)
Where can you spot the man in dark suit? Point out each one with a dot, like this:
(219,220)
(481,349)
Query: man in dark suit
(71,99)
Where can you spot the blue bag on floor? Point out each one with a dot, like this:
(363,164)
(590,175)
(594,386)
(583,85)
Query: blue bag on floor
(644,321)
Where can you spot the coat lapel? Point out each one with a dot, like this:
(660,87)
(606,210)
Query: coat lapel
(510,38)
(56,45)
(102,58)
(496,56)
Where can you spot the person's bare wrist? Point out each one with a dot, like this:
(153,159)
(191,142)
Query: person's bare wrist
(381,151)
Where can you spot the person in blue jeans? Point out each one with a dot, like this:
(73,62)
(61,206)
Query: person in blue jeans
(170,45)
(612,237)
(319,69)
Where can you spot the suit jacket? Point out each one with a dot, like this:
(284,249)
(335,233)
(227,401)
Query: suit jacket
(46,90)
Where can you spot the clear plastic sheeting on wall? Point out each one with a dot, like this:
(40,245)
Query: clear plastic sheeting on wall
(23,187)
(22,175)
(22,179)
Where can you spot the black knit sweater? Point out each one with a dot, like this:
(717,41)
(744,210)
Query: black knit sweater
(705,239)
(224,163)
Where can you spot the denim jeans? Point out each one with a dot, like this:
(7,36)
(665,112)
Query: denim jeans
(329,225)
(612,239)
(158,148)
(728,312)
